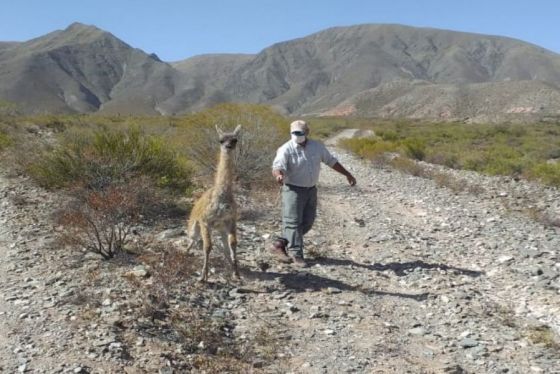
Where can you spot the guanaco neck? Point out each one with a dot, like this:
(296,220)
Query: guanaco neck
(224,174)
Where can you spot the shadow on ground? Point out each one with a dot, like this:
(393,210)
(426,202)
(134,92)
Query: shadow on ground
(306,282)
(400,269)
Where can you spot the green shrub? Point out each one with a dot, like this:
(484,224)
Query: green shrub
(8,109)
(547,173)
(5,140)
(503,160)
(388,135)
(415,148)
(370,148)
(104,157)
(474,162)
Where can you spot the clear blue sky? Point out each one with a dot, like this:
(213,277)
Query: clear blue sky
(177,29)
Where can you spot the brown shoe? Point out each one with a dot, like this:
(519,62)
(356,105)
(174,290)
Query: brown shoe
(298,261)
(278,250)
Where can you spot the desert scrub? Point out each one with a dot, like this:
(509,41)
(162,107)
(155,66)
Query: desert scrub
(415,148)
(102,221)
(546,172)
(5,140)
(262,132)
(370,148)
(494,149)
(104,157)
(324,127)
(543,335)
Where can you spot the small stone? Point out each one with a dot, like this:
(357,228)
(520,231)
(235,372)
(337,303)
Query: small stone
(468,343)
(282,295)
(504,259)
(329,332)
(333,290)
(418,331)
(169,234)
(138,271)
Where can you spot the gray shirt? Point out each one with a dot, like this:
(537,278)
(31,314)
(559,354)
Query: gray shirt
(301,165)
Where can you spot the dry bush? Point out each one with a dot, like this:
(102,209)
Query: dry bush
(260,136)
(409,166)
(199,330)
(169,268)
(448,181)
(101,221)
(542,217)
(543,335)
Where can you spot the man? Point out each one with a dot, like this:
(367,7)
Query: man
(296,167)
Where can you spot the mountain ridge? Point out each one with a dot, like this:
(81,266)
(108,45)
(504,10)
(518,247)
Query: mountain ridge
(85,69)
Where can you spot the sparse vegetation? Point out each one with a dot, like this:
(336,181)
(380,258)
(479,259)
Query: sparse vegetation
(543,335)
(101,221)
(200,326)
(518,150)
(5,140)
(8,109)
(105,156)
(548,173)
(262,132)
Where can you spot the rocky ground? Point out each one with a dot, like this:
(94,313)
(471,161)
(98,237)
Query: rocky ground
(406,276)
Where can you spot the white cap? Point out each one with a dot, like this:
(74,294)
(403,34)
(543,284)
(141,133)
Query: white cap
(299,125)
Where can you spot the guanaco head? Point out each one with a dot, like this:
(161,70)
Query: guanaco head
(228,140)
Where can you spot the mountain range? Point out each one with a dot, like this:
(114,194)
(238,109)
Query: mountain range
(364,70)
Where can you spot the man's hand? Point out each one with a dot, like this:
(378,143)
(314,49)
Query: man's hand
(278,176)
(338,167)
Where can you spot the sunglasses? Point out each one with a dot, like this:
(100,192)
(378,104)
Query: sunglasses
(298,133)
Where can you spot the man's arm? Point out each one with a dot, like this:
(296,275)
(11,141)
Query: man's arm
(338,167)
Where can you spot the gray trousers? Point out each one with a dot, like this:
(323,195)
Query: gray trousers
(299,209)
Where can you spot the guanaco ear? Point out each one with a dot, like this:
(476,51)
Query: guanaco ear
(237,129)
(220,132)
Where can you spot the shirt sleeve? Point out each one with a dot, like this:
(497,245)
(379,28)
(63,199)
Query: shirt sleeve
(281,160)
(327,157)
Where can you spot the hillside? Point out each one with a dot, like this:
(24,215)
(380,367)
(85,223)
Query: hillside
(479,102)
(365,70)
(83,69)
